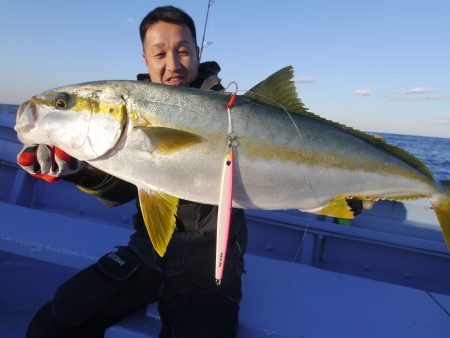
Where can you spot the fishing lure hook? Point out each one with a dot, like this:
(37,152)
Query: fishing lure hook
(230,136)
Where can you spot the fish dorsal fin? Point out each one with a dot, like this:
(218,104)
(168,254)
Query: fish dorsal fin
(159,211)
(278,90)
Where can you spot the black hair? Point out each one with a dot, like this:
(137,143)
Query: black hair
(167,14)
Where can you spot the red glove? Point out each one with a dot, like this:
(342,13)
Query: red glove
(47,162)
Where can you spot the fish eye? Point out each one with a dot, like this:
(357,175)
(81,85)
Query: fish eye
(62,101)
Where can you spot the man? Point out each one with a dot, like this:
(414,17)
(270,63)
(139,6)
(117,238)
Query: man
(190,304)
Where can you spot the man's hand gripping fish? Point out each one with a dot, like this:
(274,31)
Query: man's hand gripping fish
(170,142)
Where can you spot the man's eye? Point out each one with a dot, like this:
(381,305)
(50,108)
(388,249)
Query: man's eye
(183,52)
(160,55)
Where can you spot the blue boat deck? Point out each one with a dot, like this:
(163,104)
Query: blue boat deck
(281,298)
(386,275)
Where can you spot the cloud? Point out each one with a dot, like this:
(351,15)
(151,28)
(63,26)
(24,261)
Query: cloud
(130,19)
(436,97)
(400,97)
(363,92)
(416,90)
(304,79)
(415,94)
(444,121)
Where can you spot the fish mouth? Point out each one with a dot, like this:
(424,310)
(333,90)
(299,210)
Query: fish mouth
(26,116)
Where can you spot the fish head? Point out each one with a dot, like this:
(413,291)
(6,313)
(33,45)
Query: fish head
(85,120)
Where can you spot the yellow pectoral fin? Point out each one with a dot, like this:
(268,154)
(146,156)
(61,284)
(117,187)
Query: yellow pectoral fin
(158,210)
(168,140)
(442,210)
(337,207)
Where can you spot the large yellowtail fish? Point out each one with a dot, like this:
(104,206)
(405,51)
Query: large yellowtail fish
(170,142)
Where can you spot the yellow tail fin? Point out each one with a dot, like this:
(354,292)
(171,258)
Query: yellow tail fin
(442,210)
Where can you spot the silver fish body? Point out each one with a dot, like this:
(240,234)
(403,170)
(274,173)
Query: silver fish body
(173,140)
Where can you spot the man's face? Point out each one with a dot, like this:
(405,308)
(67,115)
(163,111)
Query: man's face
(170,54)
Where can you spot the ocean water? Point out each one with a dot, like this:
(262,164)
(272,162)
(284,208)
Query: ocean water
(8,108)
(433,151)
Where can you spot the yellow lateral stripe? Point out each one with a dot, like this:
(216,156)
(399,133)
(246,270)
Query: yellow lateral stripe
(255,150)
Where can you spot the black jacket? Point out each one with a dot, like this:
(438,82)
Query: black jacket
(194,241)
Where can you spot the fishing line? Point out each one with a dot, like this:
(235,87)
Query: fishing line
(278,104)
(229,105)
(300,245)
(305,232)
(295,126)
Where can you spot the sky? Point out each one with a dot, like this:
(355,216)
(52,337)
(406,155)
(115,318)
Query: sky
(379,66)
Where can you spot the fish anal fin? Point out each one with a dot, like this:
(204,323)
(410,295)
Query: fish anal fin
(158,210)
(168,140)
(337,207)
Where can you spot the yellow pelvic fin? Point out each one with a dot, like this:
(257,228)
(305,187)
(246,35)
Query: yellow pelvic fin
(158,210)
(442,210)
(169,140)
(337,207)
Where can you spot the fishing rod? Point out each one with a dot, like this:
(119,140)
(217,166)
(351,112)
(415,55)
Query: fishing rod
(210,3)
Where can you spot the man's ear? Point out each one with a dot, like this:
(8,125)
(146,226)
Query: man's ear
(145,59)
